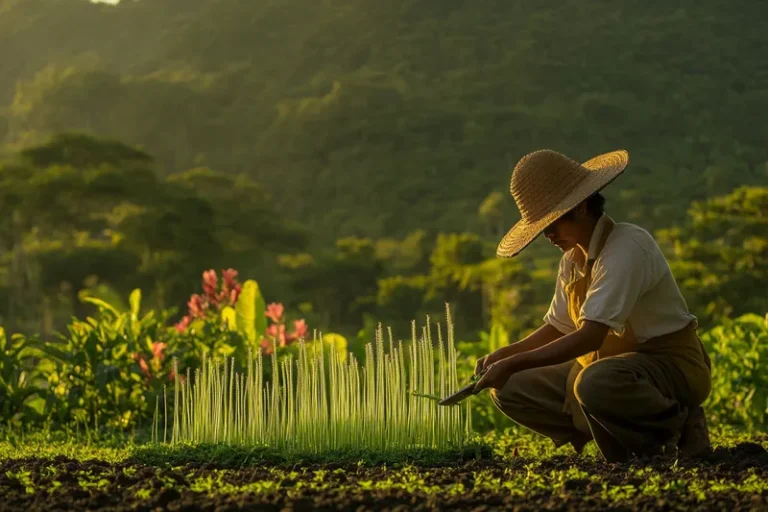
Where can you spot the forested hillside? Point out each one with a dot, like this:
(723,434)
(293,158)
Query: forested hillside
(354,156)
(373,118)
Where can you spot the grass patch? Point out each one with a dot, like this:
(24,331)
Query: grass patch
(114,447)
(219,455)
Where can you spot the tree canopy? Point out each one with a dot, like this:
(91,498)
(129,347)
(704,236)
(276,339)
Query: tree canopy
(405,116)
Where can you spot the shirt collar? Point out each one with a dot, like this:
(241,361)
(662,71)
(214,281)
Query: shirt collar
(597,233)
(594,240)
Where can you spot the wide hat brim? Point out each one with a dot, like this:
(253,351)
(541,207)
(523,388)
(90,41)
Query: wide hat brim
(603,169)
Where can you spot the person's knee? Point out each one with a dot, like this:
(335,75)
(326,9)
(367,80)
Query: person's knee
(513,392)
(592,386)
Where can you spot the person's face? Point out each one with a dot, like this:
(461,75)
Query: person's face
(567,231)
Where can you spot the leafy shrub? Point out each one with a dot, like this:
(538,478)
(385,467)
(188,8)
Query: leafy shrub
(229,319)
(101,373)
(21,384)
(110,369)
(739,351)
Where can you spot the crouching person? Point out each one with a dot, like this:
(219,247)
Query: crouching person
(618,359)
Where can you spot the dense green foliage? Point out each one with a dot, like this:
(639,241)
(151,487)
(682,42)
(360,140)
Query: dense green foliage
(113,372)
(387,117)
(740,372)
(83,214)
(720,258)
(368,144)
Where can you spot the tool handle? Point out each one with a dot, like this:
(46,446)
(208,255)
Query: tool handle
(477,376)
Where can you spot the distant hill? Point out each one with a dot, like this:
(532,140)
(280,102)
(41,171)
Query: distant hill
(378,118)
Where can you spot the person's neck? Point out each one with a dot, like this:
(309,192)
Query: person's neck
(585,237)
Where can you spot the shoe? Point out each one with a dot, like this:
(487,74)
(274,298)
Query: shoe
(694,439)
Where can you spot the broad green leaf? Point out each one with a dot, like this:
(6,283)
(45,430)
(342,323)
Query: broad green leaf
(246,310)
(225,350)
(57,353)
(229,317)
(261,317)
(119,351)
(338,341)
(197,324)
(101,304)
(250,311)
(135,301)
(37,404)
(106,294)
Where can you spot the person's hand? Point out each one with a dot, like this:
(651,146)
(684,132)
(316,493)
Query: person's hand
(482,363)
(488,359)
(495,376)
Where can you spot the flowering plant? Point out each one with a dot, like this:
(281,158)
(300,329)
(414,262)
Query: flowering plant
(276,332)
(217,296)
(214,298)
(155,364)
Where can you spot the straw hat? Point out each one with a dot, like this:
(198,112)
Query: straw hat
(546,185)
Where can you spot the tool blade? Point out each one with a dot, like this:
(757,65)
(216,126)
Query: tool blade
(458,396)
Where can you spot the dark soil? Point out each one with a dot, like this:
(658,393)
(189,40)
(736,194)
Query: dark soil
(64,484)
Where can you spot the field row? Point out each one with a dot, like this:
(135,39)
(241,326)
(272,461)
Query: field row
(734,478)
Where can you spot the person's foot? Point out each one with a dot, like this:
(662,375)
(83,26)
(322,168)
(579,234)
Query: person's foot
(694,439)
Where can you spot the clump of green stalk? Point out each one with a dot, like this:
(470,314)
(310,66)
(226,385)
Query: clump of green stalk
(327,402)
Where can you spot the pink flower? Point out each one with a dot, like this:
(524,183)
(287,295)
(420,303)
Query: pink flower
(196,306)
(266,346)
(229,277)
(234,294)
(274,312)
(158,350)
(142,364)
(300,328)
(182,324)
(210,285)
(277,331)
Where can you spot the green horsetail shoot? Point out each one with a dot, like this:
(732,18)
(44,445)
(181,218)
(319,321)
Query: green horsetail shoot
(326,401)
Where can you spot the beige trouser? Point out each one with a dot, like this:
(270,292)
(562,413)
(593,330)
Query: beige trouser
(629,403)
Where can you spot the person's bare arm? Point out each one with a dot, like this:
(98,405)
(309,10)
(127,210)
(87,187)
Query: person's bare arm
(582,341)
(538,338)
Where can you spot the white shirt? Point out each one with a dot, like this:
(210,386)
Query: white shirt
(631,283)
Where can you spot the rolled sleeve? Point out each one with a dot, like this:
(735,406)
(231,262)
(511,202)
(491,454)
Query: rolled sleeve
(619,278)
(557,316)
